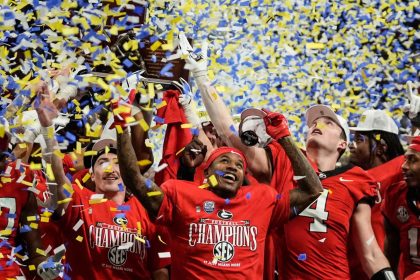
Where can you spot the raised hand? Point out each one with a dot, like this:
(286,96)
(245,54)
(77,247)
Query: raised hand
(121,112)
(413,108)
(197,64)
(194,153)
(44,107)
(276,125)
(51,268)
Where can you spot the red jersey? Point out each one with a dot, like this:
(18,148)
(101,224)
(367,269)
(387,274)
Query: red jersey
(403,214)
(107,241)
(217,238)
(13,197)
(317,238)
(385,175)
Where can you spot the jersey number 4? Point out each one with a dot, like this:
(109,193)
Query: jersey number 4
(413,235)
(9,203)
(318,213)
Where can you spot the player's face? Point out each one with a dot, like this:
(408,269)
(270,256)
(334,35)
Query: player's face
(360,151)
(325,133)
(411,168)
(228,169)
(106,174)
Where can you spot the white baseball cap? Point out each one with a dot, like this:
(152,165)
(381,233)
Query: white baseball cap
(318,111)
(376,120)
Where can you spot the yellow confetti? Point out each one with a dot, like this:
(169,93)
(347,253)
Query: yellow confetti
(315,45)
(186,125)
(45,219)
(155,193)
(213,181)
(79,238)
(140,239)
(155,45)
(41,252)
(144,162)
(33,225)
(144,125)
(97,201)
(31,267)
(66,200)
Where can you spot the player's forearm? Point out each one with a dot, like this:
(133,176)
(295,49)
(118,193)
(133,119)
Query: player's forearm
(51,158)
(308,180)
(138,138)
(147,192)
(216,108)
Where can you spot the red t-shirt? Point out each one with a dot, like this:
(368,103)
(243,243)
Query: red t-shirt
(13,197)
(317,238)
(385,175)
(403,215)
(103,231)
(217,238)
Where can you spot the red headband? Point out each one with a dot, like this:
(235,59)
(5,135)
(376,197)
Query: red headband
(223,150)
(415,144)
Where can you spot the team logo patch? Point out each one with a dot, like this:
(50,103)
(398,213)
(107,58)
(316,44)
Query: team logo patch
(402,214)
(121,221)
(223,251)
(117,256)
(208,206)
(224,215)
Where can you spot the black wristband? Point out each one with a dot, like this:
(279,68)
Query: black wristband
(384,274)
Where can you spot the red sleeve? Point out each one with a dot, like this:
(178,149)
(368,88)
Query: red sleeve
(282,171)
(165,214)
(72,213)
(68,164)
(364,186)
(160,249)
(281,212)
(388,173)
(391,198)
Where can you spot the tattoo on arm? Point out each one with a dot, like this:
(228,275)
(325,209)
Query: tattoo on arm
(146,191)
(310,186)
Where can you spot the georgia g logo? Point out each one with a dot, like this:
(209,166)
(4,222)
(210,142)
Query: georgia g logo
(120,221)
(224,215)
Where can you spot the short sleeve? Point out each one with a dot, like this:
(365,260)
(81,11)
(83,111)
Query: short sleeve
(281,211)
(160,253)
(362,187)
(72,213)
(165,215)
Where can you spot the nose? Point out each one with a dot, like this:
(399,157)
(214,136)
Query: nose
(404,166)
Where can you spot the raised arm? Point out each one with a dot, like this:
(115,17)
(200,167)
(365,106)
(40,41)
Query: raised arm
(222,120)
(309,185)
(51,154)
(149,194)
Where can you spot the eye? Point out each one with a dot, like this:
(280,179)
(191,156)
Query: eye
(240,166)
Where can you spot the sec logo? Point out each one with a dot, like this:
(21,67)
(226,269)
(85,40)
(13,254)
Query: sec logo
(223,251)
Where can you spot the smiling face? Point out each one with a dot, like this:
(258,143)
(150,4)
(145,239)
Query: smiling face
(229,171)
(325,133)
(411,168)
(106,174)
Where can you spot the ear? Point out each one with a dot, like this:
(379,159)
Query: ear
(92,174)
(342,145)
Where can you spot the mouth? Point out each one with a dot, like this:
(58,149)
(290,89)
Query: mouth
(230,177)
(316,131)
(110,178)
